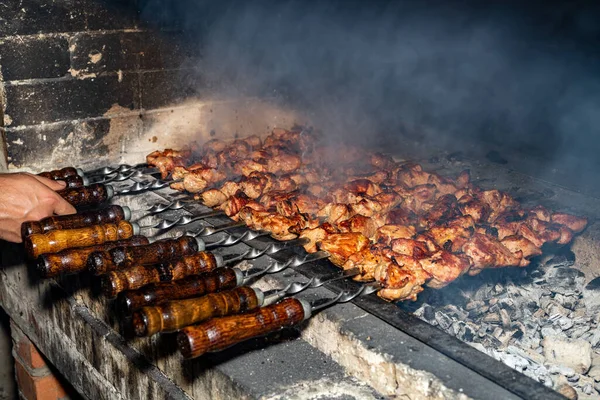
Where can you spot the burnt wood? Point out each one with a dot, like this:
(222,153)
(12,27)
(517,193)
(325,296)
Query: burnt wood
(55,241)
(221,333)
(71,261)
(192,286)
(137,276)
(109,215)
(174,315)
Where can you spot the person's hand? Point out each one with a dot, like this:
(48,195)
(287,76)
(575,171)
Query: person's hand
(27,197)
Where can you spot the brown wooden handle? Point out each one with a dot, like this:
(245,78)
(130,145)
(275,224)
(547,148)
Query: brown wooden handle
(60,173)
(192,286)
(55,241)
(160,251)
(178,314)
(87,196)
(109,215)
(219,333)
(137,276)
(74,181)
(70,261)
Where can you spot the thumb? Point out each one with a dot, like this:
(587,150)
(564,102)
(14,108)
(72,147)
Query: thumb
(63,207)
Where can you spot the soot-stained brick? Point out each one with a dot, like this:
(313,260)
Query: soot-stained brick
(40,16)
(111,14)
(31,145)
(34,57)
(82,143)
(26,17)
(103,52)
(38,102)
(163,50)
(164,88)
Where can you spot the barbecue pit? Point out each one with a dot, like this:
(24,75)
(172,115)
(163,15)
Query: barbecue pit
(368,348)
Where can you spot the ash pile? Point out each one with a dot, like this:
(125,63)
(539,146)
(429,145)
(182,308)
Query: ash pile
(543,321)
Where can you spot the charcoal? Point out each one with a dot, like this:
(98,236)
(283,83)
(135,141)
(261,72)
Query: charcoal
(468,333)
(478,311)
(498,288)
(472,305)
(565,280)
(444,321)
(561,260)
(491,318)
(505,319)
(565,323)
(595,339)
(428,313)
(578,331)
(549,331)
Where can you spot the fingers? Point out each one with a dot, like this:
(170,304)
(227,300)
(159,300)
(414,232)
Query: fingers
(51,183)
(63,207)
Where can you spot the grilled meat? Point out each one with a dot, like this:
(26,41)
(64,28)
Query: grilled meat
(402,226)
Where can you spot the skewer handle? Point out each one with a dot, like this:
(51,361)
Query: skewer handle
(109,215)
(178,314)
(193,286)
(219,333)
(74,181)
(55,241)
(160,251)
(135,277)
(70,261)
(88,196)
(60,173)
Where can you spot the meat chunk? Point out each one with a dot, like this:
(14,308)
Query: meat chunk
(342,245)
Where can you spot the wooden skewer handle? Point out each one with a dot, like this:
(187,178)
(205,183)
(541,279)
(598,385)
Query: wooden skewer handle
(60,173)
(192,286)
(137,276)
(87,196)
(219,333)
(160,251)
(55,241)
(178,314)
(109,215)
(70,261)
(74,181)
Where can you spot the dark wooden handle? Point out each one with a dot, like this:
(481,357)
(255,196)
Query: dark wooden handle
(219,333)
(60,173)
(70,261)
(174,315)
(86,196)
(160,251)
(137,276)
(74,181)
(55,241)
(192,286)
(109,215)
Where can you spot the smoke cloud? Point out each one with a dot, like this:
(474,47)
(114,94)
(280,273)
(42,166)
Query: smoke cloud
(522,77)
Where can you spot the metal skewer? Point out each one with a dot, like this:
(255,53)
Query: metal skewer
(198,285)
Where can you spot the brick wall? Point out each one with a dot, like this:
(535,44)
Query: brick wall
(78,79)
(36,378)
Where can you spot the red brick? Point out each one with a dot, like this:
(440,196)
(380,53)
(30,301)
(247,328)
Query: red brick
(25,349)
(38,388)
